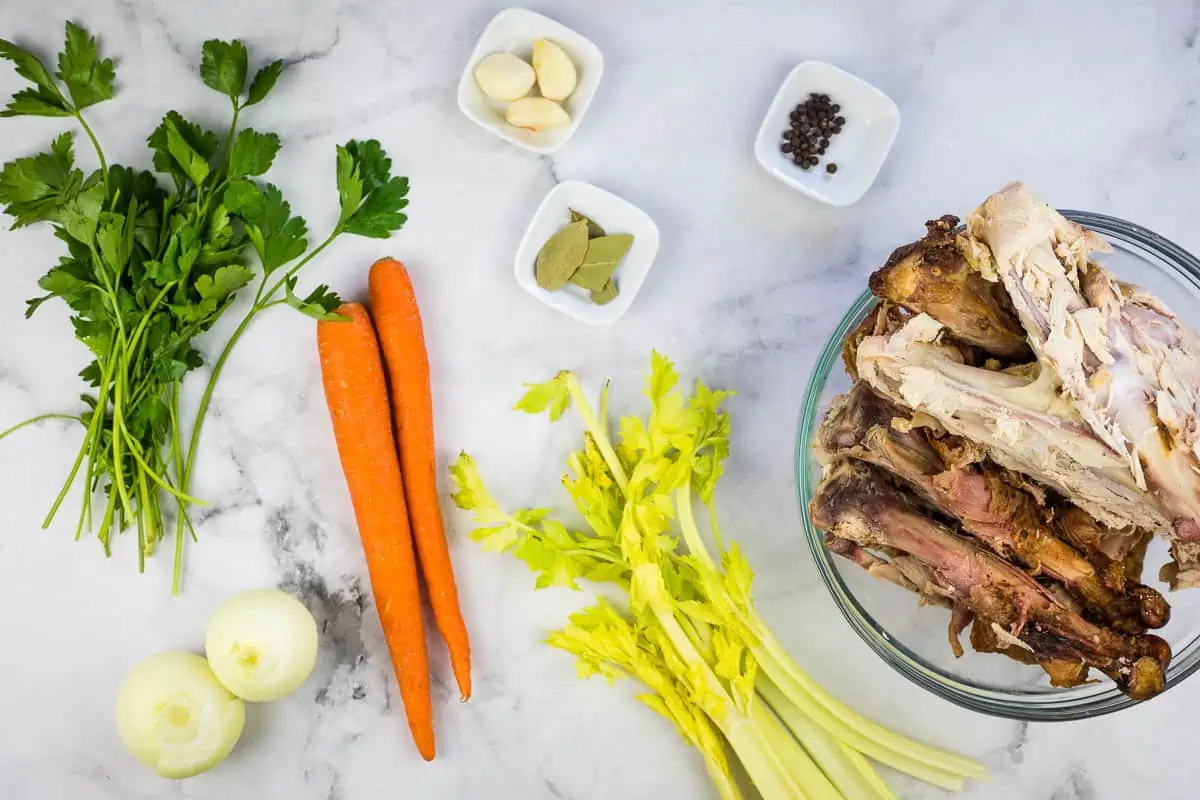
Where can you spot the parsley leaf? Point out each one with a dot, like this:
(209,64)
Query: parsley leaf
(321,304)
(223,282)
(264,81)
(244,199)
(278,237)
(80,215)
(216,291)
(72,281)
(202,142)
(35,103)
(379,215)
(126,184)
(371,199)
(223,244)
(182,252)
(223,67)
(89,79)
(349,184)
(114,238)
(252,153)
(193,164)
(374,166)
(43,101)
(35,189)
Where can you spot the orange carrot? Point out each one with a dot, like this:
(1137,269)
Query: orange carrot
(394,307)
(356,390)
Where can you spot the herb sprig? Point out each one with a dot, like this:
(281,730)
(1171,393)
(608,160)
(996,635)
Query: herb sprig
(148,269)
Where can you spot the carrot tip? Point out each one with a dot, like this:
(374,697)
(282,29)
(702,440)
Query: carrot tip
(427,750)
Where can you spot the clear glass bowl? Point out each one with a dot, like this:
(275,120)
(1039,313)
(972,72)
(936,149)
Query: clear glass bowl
(912,639)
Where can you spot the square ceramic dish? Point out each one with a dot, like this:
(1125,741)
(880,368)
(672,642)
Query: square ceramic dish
(514,30)
(872,121)
(613,214)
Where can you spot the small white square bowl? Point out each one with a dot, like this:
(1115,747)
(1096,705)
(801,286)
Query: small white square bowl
(514,30)
(859,151)
(608,211)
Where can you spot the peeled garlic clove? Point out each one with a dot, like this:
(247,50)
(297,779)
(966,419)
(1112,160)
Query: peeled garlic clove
(556,75)
(536,114)
(503,76)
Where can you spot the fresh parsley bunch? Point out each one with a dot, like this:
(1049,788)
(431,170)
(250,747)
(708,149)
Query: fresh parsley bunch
(151,265)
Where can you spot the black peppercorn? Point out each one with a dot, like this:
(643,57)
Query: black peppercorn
(812,124)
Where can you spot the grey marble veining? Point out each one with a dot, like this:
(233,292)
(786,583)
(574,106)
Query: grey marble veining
(1093,103)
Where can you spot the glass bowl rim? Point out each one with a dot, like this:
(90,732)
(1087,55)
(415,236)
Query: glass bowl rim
(1026,705)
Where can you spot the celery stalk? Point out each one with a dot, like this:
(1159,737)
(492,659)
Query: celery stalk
(869,738)
(915,758)
(598,430)
(796,759)
(726,786)
(852,774)
(770,776)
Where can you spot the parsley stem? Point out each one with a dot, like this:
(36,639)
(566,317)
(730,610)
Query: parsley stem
(185,472)
(91,440)
(118,426)
(85,511)
(262,302)
(37,419)
(106,522)
(177,459)
(135,451)
(311,255)
(206,398)
(100,411)
(237,109)
(154,520)
(143,510)
(99,152)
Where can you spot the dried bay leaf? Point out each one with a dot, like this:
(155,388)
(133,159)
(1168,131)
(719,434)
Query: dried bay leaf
(594,230)
(608,249)
(607,294)
(603,255)
(592,276)
(561,256)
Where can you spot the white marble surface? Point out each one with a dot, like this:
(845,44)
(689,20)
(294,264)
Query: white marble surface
(1094,103)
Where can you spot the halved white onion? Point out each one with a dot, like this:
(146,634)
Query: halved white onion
(262,644)
(175,716)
